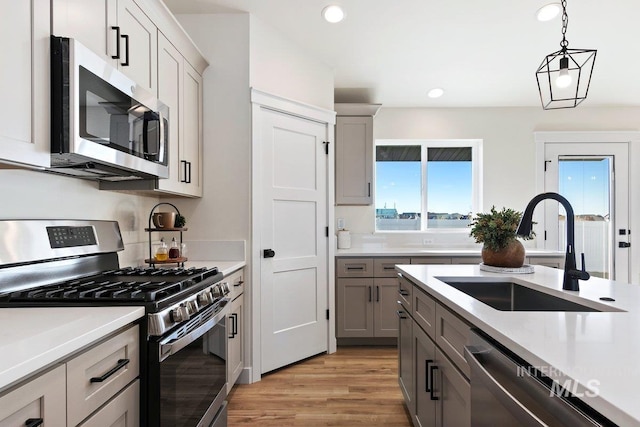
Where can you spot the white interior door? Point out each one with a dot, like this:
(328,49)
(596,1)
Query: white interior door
(594,177)
(294,285)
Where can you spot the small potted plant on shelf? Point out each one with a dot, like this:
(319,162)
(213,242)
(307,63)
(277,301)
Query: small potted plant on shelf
(496,230)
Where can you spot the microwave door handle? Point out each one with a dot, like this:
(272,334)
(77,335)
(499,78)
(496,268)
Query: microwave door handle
(161,140)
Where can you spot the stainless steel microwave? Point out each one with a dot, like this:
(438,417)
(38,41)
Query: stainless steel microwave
(103,125)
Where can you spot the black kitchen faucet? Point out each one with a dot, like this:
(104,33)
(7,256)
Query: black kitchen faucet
(571,273)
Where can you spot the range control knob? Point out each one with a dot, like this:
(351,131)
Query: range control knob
(225,288)
(204,298)
(216,291)
(191,308)
(179,314)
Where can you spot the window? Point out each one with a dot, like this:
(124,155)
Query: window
(426,185)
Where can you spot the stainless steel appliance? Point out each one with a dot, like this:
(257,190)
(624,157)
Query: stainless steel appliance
(103,125)
(506,391)
(183,368)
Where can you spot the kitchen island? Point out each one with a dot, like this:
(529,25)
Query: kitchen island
(597,352)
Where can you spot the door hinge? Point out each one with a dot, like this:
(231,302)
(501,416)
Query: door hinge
(326,231)
(545,234)
(327,314)
(545,164)
(326,146)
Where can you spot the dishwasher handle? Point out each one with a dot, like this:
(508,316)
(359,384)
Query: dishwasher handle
(519,411)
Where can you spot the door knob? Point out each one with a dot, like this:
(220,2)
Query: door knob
(268,253)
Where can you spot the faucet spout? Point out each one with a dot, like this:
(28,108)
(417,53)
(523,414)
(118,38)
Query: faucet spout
(571,273)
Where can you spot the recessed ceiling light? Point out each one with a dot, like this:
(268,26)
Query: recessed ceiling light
(435,92)
(333,13)
(548,12)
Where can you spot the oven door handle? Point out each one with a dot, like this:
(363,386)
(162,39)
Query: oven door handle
(170,347)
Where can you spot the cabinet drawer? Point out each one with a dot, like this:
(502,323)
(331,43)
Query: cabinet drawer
(85,396)
(452,334)
(431,260)
(354,267)
(123,410)
(236,283)
(40,398)
(386,267)
(424,311)
(405,293)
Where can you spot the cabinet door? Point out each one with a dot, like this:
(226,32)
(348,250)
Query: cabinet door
(41,398)
(425,357)
(138,45)
(24,83)
(121,411)
(191,156)
(235,347)
(354,308)
(385,318)
(170,82)
(452,389)
(354,160)
(406,361)
(91,22)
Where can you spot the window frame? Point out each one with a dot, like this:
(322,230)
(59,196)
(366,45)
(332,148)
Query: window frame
(425,144)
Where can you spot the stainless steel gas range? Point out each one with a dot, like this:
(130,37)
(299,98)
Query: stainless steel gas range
(183,335)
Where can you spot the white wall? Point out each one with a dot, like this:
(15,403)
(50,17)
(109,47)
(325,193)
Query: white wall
(509,167)
(281,67)
(36,195)
(224,211)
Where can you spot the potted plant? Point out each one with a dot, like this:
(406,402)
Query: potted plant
(496,230)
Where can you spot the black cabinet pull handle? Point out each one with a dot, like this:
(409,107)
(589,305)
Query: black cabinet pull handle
(400,314)
(117,55)
(34,422)
(121,364)
(377,293)
(238,283)
(370,293)
(189,175)
(431,390)
(369,189)
(184,171)
(268,253)
(427,384)
(386,267)
(234,327)
(126,50)
(355,268)
(403,292)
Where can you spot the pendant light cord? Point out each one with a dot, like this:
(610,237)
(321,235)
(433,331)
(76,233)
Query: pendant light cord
(565,21)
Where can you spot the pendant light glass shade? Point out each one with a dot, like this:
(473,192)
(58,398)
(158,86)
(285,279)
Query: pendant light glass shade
(564,76)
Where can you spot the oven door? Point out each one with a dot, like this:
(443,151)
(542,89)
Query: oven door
(187,375)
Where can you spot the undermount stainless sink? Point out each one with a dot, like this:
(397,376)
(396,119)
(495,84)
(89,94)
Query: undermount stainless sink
(510,296)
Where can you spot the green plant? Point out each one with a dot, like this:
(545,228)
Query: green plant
(496,229)
(180,221)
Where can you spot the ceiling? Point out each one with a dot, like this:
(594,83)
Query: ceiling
(482,53)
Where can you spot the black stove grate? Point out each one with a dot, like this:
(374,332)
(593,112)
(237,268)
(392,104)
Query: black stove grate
(125,284)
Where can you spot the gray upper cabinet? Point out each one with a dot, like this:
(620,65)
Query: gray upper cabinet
(354,153)
(24,116)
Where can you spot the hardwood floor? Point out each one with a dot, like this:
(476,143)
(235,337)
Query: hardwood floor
(356,386)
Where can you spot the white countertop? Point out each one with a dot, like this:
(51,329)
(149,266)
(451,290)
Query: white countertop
(34,338)
(226,267)
(416,252)
(600,349)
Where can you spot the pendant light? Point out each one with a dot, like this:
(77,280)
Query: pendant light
(564,76)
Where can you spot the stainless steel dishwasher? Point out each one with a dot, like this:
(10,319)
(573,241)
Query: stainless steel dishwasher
(506,391)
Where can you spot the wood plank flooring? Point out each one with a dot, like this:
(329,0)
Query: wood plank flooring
(356,386)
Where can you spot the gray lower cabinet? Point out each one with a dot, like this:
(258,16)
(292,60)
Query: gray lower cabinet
(434,382)
(366,297)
